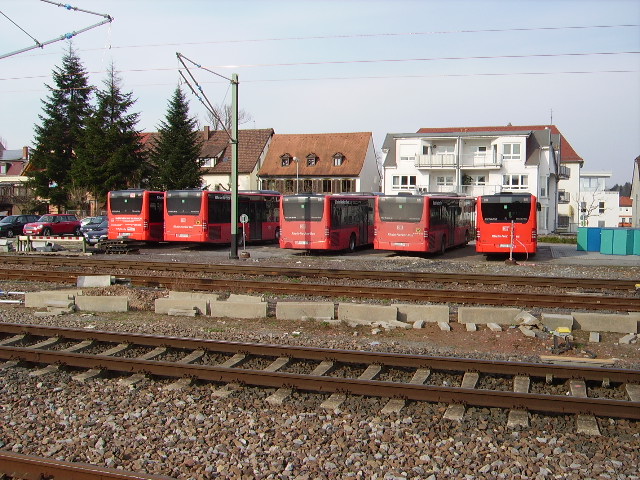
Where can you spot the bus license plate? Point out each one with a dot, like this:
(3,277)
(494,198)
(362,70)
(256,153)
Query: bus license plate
(183,235)
(302,243)
(400,244)
(503,245)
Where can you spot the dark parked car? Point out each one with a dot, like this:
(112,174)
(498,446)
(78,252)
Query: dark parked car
(54,224)
(91,222)
(12,225)
(95,233)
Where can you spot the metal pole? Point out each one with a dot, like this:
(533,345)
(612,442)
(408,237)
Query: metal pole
(233,254)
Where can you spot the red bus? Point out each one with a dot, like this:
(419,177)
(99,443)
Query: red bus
(205,216)
(136,215)
(507,223)
(339,221)
(423,223)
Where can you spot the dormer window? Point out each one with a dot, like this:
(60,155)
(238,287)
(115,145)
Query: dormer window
(338,158)
(285,159)
(209,162)
(312,159)
(3,168)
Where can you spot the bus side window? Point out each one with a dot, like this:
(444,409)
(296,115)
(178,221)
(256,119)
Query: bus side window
(538,206)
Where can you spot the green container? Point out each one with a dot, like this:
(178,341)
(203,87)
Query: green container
(636,241)
(623,241)
(606,241)
(582,239)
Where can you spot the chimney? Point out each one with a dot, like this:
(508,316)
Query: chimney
(25,153)
(206,132)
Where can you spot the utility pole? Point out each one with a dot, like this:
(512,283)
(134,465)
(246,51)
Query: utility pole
(233,254)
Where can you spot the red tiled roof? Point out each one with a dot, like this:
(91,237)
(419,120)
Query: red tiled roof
(353,146)
(626,202)
(251,144)
(567,153)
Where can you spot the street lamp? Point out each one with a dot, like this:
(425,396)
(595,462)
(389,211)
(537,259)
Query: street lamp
(296,159)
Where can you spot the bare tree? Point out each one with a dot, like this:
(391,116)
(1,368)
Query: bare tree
(224,116)
(588,204)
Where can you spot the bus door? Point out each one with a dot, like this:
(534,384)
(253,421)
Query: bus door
(254,212)
(363,222)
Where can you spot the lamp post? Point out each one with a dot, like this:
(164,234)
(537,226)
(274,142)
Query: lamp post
(296,159)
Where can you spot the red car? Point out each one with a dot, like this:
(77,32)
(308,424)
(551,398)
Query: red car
(54,224)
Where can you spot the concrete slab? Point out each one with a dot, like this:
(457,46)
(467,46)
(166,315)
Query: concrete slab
(364,314)
(603,322)
(95,281)
(227,309)
(244,298)
(411,313)
(163,305)
(321,311)
(494,327)
(182,312)
(588,425)
(471,327)
(444,326)
(40,299)
(594,337)
(553,321)
(106,303)
(484,315)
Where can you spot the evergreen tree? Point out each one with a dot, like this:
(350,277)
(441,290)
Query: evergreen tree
(59,135)
(112,153)
(175,154)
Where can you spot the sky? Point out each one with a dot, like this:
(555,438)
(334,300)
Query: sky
(380,66)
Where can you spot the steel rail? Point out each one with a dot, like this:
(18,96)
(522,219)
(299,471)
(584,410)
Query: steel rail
(35,468)
(585,372)
(322,384)
(587,302)
(466,279)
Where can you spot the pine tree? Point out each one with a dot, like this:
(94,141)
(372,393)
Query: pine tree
(59,135)
(112,153)
(175,153)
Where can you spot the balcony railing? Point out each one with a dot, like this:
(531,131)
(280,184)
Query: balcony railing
(467,160)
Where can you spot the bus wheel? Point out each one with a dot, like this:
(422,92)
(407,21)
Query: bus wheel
(443,244)
(352,242)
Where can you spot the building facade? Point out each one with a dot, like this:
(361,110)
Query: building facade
(479,161)
(321,163)
(14,195)
(635,194)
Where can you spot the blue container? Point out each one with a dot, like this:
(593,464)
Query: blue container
(594,239)
(606,241)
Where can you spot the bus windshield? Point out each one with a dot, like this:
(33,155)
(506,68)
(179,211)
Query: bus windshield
(126,203)
(505,210)
(184,203)
(309,209)
(400,209)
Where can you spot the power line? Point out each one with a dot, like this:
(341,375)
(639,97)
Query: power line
(355,62)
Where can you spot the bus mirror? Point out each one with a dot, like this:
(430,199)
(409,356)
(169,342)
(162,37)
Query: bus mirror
(538,206)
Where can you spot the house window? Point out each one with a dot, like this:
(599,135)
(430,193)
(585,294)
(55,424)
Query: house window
(312,159)
(544,186)
(515,182)
(444,181)
(347,185)
(326,186)
(307,186)
(208,162)
(601,207)
(338,159)
(479,180)
(407,152)
(591,184)
(404,182)
(3,168)
(286,159)
(288,185)
(511,151)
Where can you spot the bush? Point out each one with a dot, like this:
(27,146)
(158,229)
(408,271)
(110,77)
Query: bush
(558,239)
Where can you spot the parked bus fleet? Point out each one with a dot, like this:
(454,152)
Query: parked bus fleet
(503,223)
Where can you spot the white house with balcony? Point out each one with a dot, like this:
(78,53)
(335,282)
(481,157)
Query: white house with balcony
(479,161)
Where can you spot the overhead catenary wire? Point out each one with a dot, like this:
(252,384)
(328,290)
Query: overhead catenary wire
(207,105)
(66,36)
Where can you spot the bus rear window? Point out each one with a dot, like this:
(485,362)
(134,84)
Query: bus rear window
(184,204)
(131,204)
(517,212)
(400,209)
(303,209)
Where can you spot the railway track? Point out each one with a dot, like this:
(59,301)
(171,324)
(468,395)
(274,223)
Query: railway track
(15,465)
(581,284)
(459,382)
(606,302)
